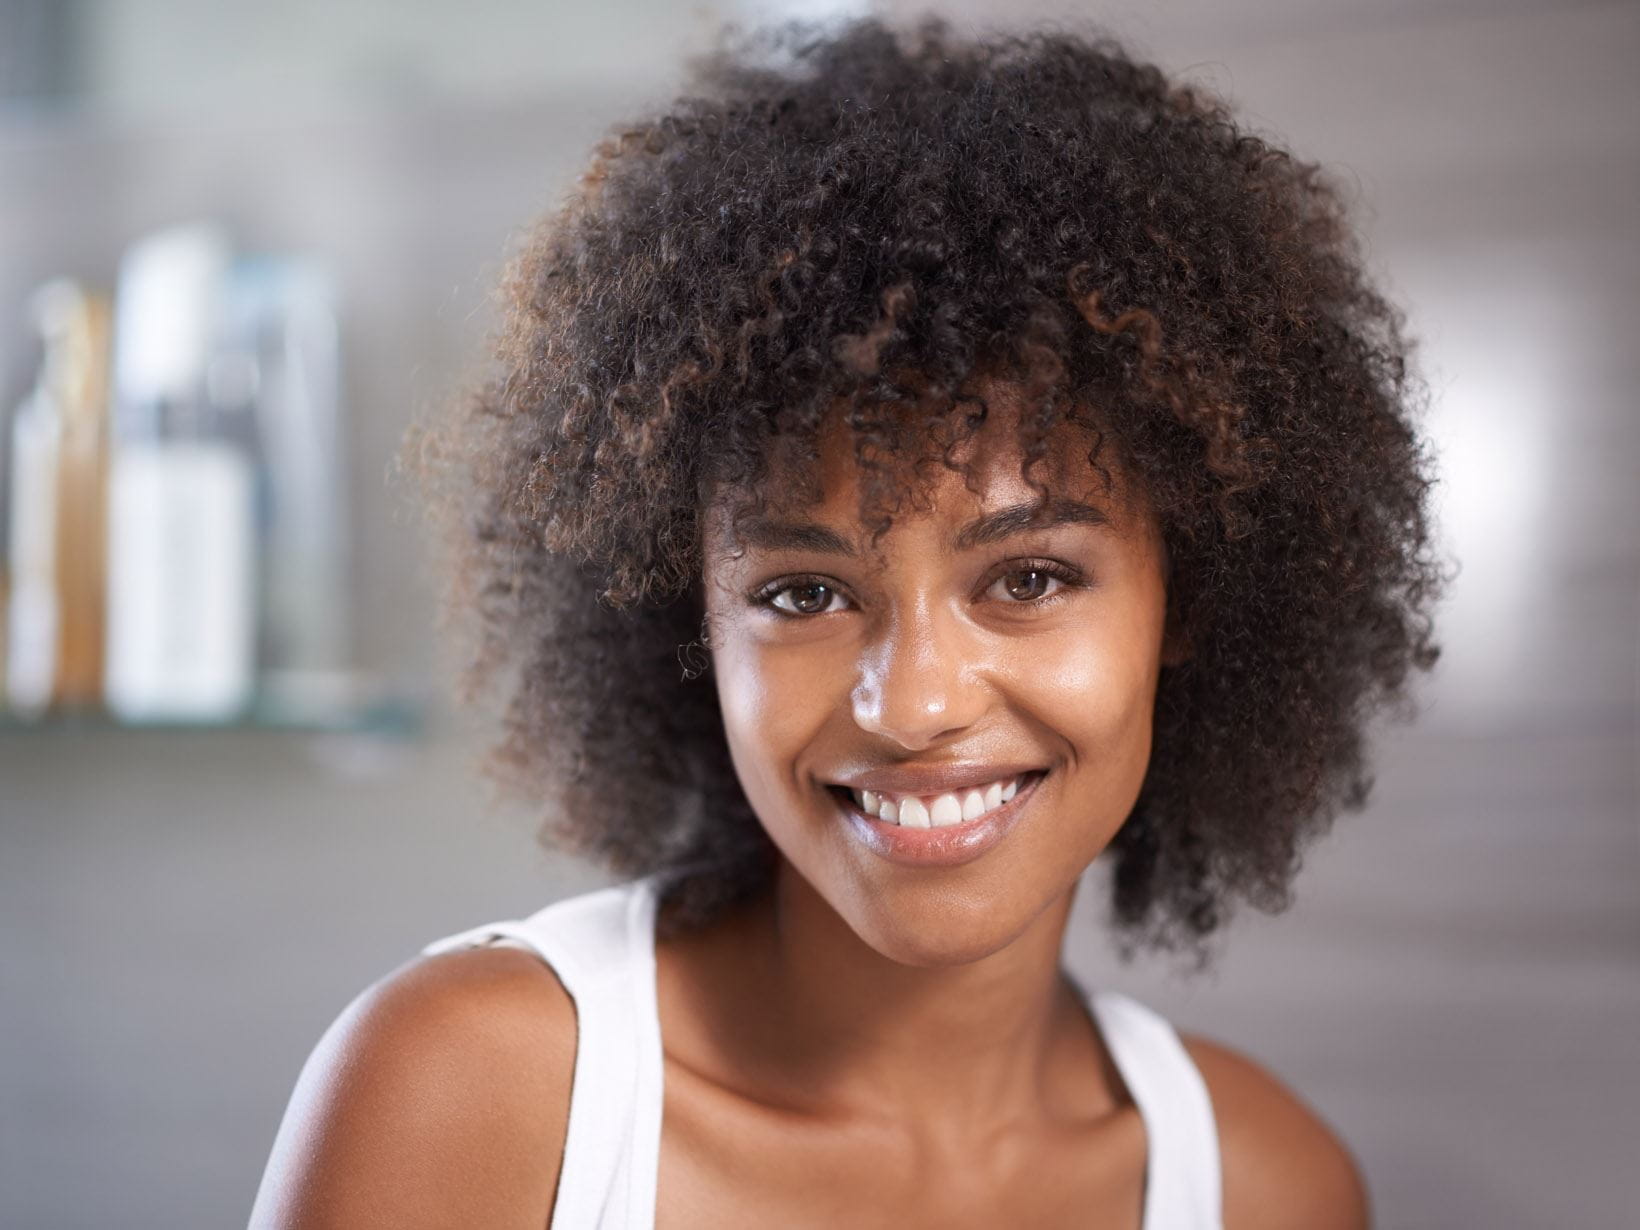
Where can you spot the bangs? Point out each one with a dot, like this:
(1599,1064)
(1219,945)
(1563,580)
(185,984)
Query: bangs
(898,435)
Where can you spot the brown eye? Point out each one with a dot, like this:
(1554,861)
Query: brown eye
(1033,583)
(809,599)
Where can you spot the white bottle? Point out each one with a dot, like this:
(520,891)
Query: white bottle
(181,526)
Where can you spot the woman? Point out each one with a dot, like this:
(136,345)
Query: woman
(917,466)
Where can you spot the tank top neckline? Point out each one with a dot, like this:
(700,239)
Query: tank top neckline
(1129,1032)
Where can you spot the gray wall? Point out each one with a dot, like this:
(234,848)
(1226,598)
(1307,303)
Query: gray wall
(1458,984)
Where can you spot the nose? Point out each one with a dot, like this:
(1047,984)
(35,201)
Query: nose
(918,682)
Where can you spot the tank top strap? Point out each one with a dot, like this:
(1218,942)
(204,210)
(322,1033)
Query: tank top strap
(601,947)
(1182,1174)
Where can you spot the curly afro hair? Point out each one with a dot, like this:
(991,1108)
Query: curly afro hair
(865,216)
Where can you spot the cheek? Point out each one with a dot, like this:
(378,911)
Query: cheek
(1095,688)
(774,702)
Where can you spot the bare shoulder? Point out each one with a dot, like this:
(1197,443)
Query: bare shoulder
(1283,1165)
(440,1096)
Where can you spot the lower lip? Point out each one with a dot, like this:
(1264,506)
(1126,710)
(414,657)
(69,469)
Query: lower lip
(949,845)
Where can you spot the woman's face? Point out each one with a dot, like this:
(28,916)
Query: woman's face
(964,657)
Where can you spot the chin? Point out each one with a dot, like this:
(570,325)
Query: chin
(939,933)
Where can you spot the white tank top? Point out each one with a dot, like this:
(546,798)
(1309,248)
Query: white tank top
(601,945)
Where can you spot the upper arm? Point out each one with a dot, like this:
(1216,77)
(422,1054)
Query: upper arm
(439,1097)
(1282,1165)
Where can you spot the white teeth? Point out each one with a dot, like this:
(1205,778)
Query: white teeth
(913,815)
(953,807)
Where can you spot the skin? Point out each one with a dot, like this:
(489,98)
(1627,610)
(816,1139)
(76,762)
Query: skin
(867,1044)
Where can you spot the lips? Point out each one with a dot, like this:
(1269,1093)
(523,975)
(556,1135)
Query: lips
(938,846)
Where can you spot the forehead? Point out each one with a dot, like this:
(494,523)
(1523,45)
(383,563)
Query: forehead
(1080,470)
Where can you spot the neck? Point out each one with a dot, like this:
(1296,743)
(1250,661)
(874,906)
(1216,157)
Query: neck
(801,1012)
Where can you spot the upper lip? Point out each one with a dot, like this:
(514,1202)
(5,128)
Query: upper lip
(934,778)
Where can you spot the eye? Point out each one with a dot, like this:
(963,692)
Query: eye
(796,597)
(1035,582)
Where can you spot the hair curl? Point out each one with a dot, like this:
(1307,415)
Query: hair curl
(869,216)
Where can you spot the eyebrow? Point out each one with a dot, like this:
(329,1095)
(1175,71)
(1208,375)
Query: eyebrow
(773,534)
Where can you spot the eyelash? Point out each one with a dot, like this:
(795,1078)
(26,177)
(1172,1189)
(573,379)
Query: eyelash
(1069,578)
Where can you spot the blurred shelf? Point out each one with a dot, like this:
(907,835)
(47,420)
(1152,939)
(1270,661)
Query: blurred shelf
(388,717)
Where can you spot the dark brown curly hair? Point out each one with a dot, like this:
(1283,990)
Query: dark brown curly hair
(867,216)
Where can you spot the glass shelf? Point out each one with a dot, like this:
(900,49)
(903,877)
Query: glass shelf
(387,716)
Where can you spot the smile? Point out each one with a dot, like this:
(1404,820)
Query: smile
(946,829)
(938,810)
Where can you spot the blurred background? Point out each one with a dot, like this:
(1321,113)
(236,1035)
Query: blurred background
(243,247)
